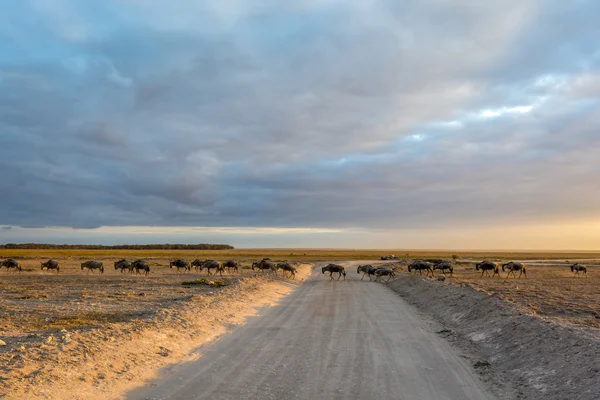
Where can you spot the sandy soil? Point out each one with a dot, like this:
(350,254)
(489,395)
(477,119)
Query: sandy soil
(527,357)
(84,336)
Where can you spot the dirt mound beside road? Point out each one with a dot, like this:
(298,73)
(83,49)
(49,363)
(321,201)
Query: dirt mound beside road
(530,357)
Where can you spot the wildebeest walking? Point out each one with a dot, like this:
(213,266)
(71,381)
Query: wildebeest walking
(123,265)
(180,264)
(367,269)
(287,267)
(231,265)
(389,272)
(264,264)
(486,267)
(512,267)
(11,263)
(443,266)
(50,264)
(421,266)
(577,268)
(92,265)
(141,267)
(211,264)
(331,268)
(197,264)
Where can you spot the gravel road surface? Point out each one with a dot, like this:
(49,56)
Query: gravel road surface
(327,340)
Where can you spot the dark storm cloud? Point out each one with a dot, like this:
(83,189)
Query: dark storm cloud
(320,114)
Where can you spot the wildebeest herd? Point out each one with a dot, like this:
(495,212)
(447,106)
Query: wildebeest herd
(142,267)
(213,267)
(431,265)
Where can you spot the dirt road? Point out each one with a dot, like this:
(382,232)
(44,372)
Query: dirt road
(327,340)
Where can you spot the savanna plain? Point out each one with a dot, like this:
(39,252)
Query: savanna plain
(79,334)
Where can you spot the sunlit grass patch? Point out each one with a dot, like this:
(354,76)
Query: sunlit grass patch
(204,281)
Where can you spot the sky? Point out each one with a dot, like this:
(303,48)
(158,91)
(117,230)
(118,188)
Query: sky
(316,123)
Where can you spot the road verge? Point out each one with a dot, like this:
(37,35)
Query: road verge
(524,355)
(104,363)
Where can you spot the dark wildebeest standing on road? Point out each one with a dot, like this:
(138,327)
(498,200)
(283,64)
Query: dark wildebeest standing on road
(367,269)
(51,264)
(421,266)
(264,265)
(577,268)
(92,265)
(141,267)
(11,263)
(331,268)
(123,265)
(180,264)
(486,267)
(379,272)
(512,267)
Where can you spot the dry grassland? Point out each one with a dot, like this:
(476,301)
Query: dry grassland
(549,291)
(288,254)
(93,332)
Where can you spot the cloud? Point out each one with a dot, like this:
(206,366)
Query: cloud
(320,114)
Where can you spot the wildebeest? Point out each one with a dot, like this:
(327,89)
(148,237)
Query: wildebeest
(512,266)
(211,264)
(141,267)
(577,268)
(486,267)
(331,268)
(50,264)
(367,269)
(92,265)
(11,263)
(123,265)
(287,267)
(379,272)
(421,266)
(197,264)
(180,264)
(443,266)
(231,265)
(264,265)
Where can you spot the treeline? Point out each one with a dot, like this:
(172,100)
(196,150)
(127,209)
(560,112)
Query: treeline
(199,246)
